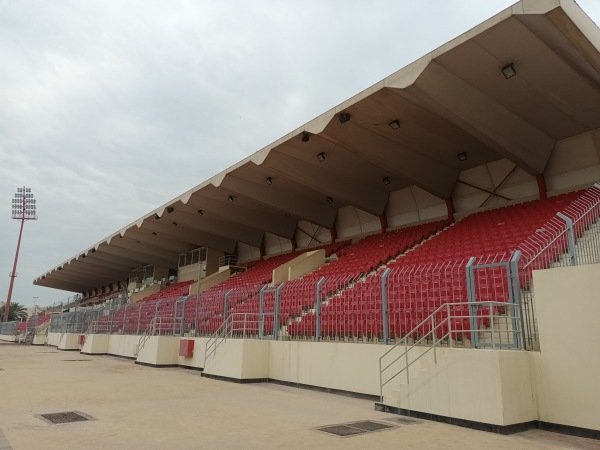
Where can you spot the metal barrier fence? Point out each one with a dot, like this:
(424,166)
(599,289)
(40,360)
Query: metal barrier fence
(8,328)
(569,239)
(387,306)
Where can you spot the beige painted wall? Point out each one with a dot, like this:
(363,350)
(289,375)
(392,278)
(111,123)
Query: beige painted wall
(567,368)
(413,205)
(137,296)
(299,266)
(69,341)
(159,350)
(519,186)
(240,359)
(310,235)
(188,273)
(575,162)
(211,280)
(344,366)
(123,345)
(96,344)
(53,339)
(351,221)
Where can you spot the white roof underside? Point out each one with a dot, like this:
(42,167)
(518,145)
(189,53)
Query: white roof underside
(451,100)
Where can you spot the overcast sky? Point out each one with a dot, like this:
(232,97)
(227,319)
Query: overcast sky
(109,109)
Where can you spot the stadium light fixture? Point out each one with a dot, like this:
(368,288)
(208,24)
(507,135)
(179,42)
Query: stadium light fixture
(385,180)
(305,136)
(321,157)
(230,198)
(154,233)
(201,212)
(329,200)
(269,181)
(156,217)
(344,117)
(395,124)
(509,71)
(462,156)
(23,208)
(170,209)
(174,224)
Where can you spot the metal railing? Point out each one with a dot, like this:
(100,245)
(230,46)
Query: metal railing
(381,306)
(569,239)
(8,328)
(450,325)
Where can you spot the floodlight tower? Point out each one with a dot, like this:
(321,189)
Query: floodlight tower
(23,208)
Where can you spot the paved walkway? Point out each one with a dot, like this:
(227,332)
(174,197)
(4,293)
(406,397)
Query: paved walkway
(138,407)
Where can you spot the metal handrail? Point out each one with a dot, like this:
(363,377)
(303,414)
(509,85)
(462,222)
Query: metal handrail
(228,329)
(434,339)
(213,342)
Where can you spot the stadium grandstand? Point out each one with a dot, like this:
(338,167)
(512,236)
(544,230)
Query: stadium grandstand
(431,243)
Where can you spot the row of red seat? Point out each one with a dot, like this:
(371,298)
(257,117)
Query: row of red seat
(33,322)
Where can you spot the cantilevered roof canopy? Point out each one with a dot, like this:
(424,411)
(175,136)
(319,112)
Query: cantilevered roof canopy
(455,99)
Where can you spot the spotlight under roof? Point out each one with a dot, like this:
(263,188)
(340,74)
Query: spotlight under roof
(344,117)
(329,200)
(462,156)
(394,124)
(321,157)
(509,71)
(305,136)
(230,198)
(269,181)
(385,180)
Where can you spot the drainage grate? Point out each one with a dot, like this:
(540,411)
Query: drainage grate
(354,428)
(64,417)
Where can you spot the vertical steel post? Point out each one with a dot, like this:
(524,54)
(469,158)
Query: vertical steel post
(385,311)
(139,320)
(571,238)
(516,301)
(261,312)
(226,310)
(472,301)
(276,311)
(319,308)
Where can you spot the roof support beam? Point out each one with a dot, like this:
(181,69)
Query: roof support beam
(487,120)
(218,227)
(196,238)
(324,179)
(279,225)
(295,204)
(143,259)
(424,172)
(143,249)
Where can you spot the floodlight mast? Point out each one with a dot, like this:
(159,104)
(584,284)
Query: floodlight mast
(23,208)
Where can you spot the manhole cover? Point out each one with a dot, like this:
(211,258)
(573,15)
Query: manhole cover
(369,425)
(354,428)
(341,430)
(64,417)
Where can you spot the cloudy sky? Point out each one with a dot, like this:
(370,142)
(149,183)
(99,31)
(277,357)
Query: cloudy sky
(109,109)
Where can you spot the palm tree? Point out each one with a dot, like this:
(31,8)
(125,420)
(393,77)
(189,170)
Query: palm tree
(15,312)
